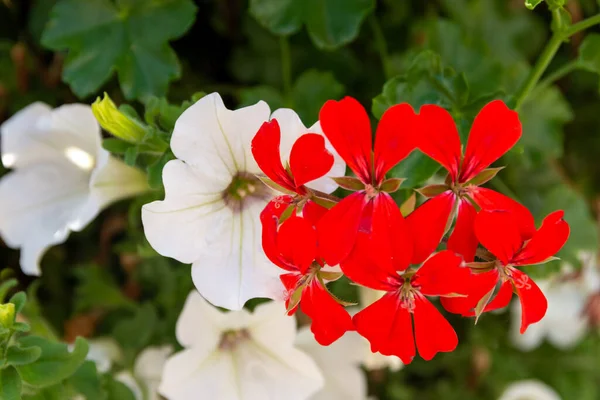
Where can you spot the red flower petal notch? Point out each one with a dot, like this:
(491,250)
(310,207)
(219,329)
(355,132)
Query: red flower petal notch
(293,247)
(500,233)
(495,130)
(346,124)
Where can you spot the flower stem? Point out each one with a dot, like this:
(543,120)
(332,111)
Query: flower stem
(286,70)
(556,75)
(381,45)
(548,54)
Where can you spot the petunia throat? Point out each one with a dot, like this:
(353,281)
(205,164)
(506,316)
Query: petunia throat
(231,338)
(244,187)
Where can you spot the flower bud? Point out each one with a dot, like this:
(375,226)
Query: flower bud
(115,122)
(7,315)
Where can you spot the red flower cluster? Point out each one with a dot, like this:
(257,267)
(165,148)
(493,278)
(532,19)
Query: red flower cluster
(315,238)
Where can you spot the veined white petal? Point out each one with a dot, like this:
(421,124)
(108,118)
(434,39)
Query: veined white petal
(39,205)
(210,136)
(194,374)
(113,180)
(529,389)
(178,226)
(233,267)
(339,363)
(291,129)
(275,373)
(199,324)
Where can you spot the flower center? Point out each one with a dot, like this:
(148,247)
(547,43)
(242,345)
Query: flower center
(371,191)
(230,339)
(243,186)
(408,292)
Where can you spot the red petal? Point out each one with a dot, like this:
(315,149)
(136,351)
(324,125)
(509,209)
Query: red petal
(546,242)
(433,332)
(269,219)
(290,282)
(329,319)
(313,212)
(387,325)
(491,200)
(346,124)
(338,228)
(442,274)
(394,139)
(440,139)
(498,232)
(533,301)
(478,286)
(309,159)
(265,149)
(502,298)
(463,240)
(297,242)
(427,225)
(494,131)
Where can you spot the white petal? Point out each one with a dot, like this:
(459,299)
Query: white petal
(128,380)
(113,180)
(104,352)
(199,324)
(565,319)
(268,373)
(210,136)
(529,389)
(192,374)
(149,364)
(178,226)
(38,134)
(271,326)
(291,129)
(39,205)
(233,267)
(339,363)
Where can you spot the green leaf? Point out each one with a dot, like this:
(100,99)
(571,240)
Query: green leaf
(18,299)
(101,37)
(116,146)
(55,364)
(5,287)
(10,384)
(417,168)
(55,392)
(155,170)
(22,355)
(589,53)
(97,288)
(136,332)
(282,17)
(531,4)
(311,90)
(87,382)
(330,23)
(117,390)
(254,94)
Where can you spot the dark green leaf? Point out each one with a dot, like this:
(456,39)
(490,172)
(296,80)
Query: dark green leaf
(87,382)
(589,53)
(5,287)
(282,17)
(22,355)
(117,390)
(417,168)
(155,170)
(135,332)
(131,155)
(269,94)
(334,23)
(56,362)
(116,146)
(311,90)
(102,37)
(10,384)
(531,4)
(97,288)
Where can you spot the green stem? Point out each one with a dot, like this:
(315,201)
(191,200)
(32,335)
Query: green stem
(548,54)
(381,45)
(556,75)
(286,70)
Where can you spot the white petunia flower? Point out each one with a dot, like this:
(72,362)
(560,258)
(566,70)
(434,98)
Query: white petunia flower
(238,356)
(375,360)
(340,364)
(61,178)
(529,390)
(147,373)
(565,322)
(210,215)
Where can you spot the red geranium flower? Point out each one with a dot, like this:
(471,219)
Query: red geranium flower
(293,247)
(309,160)
(495,130)
(502,235)
(347,126)
(380,261)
